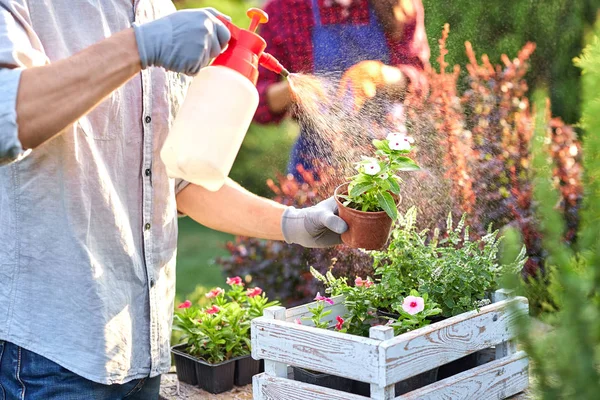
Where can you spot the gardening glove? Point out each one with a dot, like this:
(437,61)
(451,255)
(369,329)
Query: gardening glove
(183,41)
(317,226)
(366,79)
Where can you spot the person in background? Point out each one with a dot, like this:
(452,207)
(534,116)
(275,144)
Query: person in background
(372,46)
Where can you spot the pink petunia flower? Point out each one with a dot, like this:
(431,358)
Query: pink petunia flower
(185,304)
(340,323)
(413,305)
(214,293)
(297,321)
(213,310)
(360,282)
(236,280)
(327,300)
(254,292)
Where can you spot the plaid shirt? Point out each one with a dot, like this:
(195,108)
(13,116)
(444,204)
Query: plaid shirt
(289,38)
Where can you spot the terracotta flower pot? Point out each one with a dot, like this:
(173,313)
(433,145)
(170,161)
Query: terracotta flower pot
(366,230)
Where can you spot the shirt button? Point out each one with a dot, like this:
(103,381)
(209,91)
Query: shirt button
(147,226)
(148,119)
(152,282)
(148,172)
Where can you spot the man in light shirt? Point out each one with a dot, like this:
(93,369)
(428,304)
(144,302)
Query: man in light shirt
(88,215)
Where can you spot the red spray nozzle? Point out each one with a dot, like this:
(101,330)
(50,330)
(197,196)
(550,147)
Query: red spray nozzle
(246,49)
(272,64)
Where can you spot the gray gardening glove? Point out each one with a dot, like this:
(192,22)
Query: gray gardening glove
(317,226)
(183,41)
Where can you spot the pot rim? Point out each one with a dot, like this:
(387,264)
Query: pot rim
(353,210)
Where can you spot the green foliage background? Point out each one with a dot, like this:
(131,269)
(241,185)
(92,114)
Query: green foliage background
(558,28)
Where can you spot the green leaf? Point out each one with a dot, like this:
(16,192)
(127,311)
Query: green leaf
(379,144)
(408,165)
(387,204)
(394,186)
(360,188)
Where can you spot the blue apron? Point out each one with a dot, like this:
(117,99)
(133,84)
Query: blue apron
(336,48)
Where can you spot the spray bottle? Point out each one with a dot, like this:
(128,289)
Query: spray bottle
(220,104)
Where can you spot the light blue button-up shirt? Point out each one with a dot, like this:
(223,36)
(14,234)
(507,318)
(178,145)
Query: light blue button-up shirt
(88,220)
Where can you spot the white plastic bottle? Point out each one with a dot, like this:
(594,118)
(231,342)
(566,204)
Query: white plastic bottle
(218,109)
(210,127)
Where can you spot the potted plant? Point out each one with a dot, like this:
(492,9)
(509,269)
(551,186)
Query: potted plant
(216,352)
(413,313)
(254,301)
(457,272)
(382,360)
(368,203)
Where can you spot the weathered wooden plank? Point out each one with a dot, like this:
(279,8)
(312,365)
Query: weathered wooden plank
(493,381)
(272,388)
(274,368)
(317,349)
(338,308)
(438,344)
(381,391)
(509,347)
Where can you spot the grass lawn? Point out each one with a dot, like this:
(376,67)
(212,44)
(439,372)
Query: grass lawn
(197,247)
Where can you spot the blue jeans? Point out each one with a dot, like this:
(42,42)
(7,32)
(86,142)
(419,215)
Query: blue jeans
(25,375)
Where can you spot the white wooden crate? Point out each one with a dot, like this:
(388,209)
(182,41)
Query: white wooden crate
(382,359)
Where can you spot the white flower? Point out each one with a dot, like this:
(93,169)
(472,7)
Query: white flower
(400,135)
(399,141)
(399,144)
(372,168)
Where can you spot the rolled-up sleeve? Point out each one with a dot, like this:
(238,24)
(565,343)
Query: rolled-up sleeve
(19,48)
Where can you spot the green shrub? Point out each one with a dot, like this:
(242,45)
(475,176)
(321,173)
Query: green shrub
(501,27)
(457,272)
